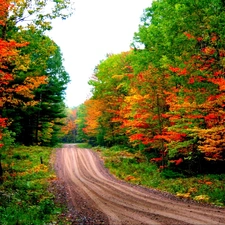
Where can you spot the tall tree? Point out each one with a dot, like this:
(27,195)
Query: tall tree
(25,22)
(186,38)
(110,87)
(40,122)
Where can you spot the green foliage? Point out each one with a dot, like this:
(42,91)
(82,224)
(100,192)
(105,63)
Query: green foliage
(37,15)
(166,95)
(69,131)
(80,123)
(8,139)
(112,74)
(24,195)
(167,173)
(40,123)
(33,114)
(204,188)
(83,145)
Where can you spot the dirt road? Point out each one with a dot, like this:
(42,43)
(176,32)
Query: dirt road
(98,198)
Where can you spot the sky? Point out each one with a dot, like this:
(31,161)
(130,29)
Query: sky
(96,28)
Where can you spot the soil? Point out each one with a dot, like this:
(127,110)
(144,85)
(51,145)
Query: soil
(93,196)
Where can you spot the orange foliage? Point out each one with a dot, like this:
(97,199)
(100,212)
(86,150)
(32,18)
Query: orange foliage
(94,110)
(4,5)
(142,111)
(9,51)
(170,136)
(198,108)
(70,124)
(29,84)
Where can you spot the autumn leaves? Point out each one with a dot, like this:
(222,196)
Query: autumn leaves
(30,62)
(169,96)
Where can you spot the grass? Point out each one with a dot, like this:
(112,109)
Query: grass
(83,145)
(24,195)
(135,168)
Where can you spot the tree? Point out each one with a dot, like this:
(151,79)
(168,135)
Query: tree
(110,86)
(19,15)
(25,22)
(20,73)
(69,129)
(80,123)
(186,39)
(40,123)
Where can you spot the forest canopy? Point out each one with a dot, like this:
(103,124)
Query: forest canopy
(32,76)
(168,97)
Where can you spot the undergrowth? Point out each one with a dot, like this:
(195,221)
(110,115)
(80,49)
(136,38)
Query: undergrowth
(83,145)
(24,195)
(137,169)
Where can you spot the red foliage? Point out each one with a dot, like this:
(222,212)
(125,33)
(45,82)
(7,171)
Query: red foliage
(174,69)
(211,116)
(141,77)
(209,50)
(214,97)
(199,39)
(156,159)
(183,71)
(178,70)
(136,137)
(188,35)
(177,161)
(222,53)
(3,122)
(194,117)
(191,80)
(137,116)
(170,136)
(218,73)
(214,38)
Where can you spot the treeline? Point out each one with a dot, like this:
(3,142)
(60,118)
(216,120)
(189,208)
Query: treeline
(32,76)
(166,96)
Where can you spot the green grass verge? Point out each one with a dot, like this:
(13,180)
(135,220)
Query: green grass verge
(135,168)
(83,145)
(24,195)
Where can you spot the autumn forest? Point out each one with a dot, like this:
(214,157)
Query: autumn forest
(32,76)
(156,115)
(166,96)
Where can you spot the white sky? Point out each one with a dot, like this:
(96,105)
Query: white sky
(96,28)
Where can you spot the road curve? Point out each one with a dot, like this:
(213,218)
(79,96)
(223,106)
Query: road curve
(92,190)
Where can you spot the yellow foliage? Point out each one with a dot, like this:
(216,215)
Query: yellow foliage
(36,169)
(204,198)
(131,178)
(125,154)
(118,77)
(39,168)
(183,195)
(22,62)
(94,111)
(191,190)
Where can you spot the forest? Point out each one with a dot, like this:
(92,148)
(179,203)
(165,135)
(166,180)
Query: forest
(165,96)
(156,112)
(33,79)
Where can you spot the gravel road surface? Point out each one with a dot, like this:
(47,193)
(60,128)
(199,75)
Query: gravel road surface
(96,197)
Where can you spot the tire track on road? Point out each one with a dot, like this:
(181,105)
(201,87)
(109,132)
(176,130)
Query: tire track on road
(123,203)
